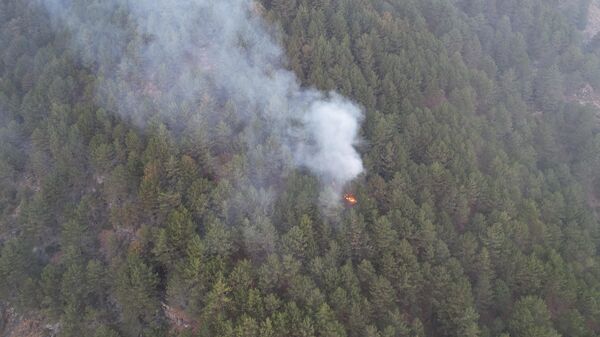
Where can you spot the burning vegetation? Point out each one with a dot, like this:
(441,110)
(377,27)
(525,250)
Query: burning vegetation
(350,199)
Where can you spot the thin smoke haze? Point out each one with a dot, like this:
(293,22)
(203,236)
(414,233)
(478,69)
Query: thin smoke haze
(173,53)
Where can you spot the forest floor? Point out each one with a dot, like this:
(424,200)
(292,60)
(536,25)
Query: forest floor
(16,325)
(586,95)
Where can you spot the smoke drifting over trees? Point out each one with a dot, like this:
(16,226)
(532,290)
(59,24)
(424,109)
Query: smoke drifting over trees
(161,57)
(160,168)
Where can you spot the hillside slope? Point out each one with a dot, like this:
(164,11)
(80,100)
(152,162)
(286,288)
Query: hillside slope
(477,213)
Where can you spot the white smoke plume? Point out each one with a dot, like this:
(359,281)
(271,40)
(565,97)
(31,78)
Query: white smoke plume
(160,58)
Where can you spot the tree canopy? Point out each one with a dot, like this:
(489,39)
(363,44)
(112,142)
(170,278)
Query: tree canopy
(477,213)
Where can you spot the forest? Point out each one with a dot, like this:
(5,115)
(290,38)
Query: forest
(477,212)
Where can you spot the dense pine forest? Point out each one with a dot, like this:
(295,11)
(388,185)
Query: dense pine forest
(477,211)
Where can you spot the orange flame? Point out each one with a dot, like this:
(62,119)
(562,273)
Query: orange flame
(350,199)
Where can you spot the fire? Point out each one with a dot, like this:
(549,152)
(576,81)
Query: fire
(350,199)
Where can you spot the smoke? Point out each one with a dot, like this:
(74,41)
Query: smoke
(177,60)
(333,125)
